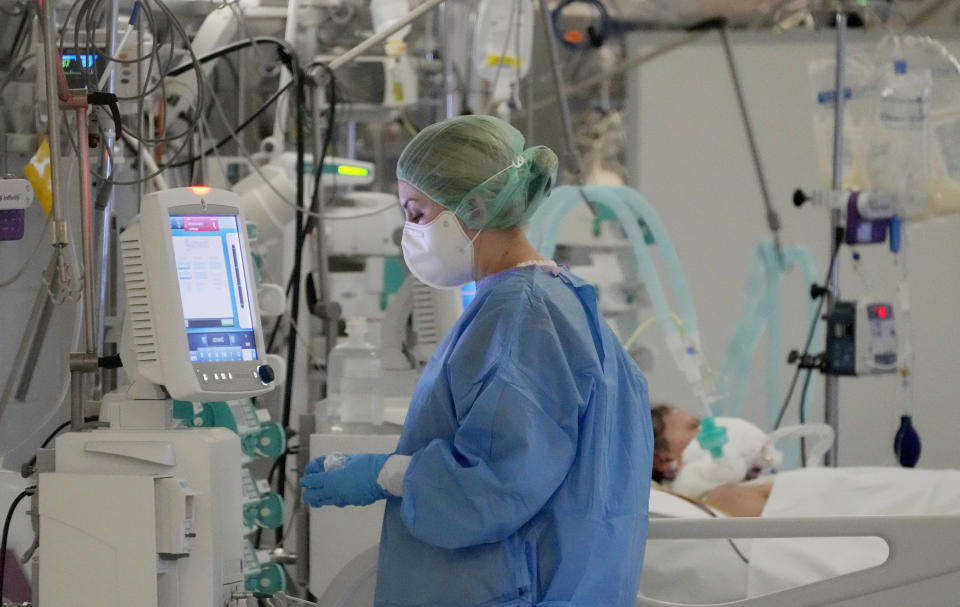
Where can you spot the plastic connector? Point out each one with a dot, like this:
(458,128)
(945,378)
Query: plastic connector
(712,437)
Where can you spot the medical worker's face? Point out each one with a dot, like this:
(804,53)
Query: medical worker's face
(417,207)
(679,428)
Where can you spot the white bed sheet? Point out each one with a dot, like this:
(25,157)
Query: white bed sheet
(776,564)
(690,571)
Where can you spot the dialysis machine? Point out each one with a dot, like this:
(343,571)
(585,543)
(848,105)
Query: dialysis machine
(144,513)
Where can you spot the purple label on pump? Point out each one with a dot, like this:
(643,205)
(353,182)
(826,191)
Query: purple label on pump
(11,224)
(863,231)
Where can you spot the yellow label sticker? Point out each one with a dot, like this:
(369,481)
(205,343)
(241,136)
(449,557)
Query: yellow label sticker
(513,62)
(37,172)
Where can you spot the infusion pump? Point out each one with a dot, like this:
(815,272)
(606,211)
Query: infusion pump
(861,338)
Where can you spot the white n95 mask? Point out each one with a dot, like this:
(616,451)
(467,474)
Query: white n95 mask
(439,254)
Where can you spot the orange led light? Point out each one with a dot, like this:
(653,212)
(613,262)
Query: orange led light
(200,190)
(573,37)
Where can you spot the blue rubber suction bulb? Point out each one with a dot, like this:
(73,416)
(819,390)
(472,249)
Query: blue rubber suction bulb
(906,443)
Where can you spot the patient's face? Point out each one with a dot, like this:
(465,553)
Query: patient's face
(679,428)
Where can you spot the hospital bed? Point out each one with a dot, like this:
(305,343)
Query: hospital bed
(847,536)
(923,566)
(874,561)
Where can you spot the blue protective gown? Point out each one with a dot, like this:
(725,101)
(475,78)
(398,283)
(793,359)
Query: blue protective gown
(531,446)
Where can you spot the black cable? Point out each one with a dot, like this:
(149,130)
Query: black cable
(109,100)
(803,417)
(186,137)
(286,54)
(276,329)
(332,99)
(57,431)
(23,30)
(229,137)
(327,140)
(295,282)
(299,78)
(837,242)
(806,352)
(61,427)
(6,530)
(194,126)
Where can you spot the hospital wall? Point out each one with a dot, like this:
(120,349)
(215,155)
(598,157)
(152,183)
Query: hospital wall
(688,154)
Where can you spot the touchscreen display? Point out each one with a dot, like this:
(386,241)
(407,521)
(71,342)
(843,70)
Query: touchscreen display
(214,288)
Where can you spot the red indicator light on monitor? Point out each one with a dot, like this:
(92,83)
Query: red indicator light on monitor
(200,190)
(881,312)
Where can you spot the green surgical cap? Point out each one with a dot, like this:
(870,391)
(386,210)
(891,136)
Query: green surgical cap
(477,167)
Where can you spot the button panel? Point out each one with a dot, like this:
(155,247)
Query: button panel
(223,380)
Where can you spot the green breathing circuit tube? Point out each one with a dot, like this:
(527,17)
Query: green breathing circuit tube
(680,330)
(761,315)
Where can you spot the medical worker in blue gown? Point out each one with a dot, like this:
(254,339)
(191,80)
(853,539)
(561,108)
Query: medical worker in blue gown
(522,476)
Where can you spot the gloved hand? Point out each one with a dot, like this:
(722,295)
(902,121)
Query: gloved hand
(325,463)
(353,484)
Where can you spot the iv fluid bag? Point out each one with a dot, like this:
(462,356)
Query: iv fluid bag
(387,12)
(504,43)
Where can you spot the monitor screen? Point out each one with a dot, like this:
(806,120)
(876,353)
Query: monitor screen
(214,289)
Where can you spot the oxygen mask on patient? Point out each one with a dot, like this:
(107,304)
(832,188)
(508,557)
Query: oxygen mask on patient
(748,453)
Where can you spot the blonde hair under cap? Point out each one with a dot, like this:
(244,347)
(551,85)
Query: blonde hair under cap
(477,167)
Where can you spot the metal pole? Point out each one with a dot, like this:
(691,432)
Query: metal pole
(773,220)
(466,83)
(86,361)
(51,56)
(107,205)
(76,400)
(350,135)
(446,60)
(831,383)
(328,312)
(109,376)
(20,372)
(86,224)
(558,85)
(531,89)
(283,103)
(358,50)
(307,426)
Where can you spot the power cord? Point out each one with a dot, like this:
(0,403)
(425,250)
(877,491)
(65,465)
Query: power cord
(293,285)
(62,427)
(821,293)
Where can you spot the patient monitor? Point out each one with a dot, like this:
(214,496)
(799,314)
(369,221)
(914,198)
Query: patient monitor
(144,513)
(192,313)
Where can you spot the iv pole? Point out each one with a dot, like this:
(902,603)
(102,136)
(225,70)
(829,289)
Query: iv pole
(831,383)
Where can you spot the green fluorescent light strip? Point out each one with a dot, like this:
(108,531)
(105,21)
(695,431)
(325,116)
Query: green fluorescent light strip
(352,171)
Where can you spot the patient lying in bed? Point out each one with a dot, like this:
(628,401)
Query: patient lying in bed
(760,566)
(742,490)
(675,430)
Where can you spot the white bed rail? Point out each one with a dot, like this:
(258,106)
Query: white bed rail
(922,568)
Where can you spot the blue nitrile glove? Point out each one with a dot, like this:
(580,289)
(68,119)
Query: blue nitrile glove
(353,484)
